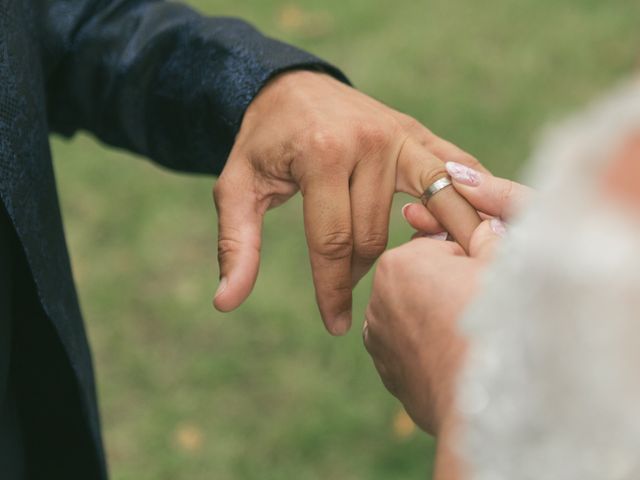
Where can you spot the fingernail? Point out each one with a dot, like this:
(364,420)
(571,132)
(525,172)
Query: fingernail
(438,236)
(404,211)
(221,287)
(341,324)
(498,227)
(463,174)
(433,236)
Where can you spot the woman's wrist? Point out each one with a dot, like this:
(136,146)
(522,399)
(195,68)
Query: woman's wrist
(448,465)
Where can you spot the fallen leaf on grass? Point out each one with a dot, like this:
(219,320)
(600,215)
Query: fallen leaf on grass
(403,426)
(188,437)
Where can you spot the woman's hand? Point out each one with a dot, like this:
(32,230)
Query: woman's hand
(419,291)
(421,288)
(493,197)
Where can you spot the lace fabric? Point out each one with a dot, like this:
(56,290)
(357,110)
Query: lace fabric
(551,387)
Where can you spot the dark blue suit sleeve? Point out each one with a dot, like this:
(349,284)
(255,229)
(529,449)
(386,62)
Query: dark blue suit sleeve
(157,78)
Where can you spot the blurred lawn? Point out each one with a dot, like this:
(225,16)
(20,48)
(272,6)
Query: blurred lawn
(264,392)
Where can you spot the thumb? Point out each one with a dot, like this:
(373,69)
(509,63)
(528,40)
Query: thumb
(239,238)
(485,238)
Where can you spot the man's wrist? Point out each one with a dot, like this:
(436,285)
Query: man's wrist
(291,78)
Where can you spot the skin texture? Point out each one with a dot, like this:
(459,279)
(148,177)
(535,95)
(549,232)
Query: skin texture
(492,197)
(455,214)
(347,154)
(620,180)
(396,297)
(404,314)
(420,291)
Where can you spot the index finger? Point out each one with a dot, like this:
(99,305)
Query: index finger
(495,196)
(327,221)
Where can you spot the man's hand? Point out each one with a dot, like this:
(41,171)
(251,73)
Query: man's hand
(347,154)
(493,197)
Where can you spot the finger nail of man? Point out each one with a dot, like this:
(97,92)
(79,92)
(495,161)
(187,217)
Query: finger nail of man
(221,287)
(341,324)
(463,174)
(404,211)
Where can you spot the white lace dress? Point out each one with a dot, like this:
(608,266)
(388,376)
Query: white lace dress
(551,389)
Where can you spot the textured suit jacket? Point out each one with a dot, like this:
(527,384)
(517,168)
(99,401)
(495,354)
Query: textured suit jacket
(150,76)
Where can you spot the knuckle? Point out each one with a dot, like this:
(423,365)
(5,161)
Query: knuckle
(220,191)
(371,247)
(340,292)
(410,124)
(505,194)
(389,261)
(372,138)
(326,141)
(430,175)
(227,246)
(217,192)
(336,245)
(419,132)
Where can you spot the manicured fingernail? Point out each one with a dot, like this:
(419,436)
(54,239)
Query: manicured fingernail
(404,211)
(438,236)
(433,236)
(221,287)
(463,174)
(341,324)
(498,227)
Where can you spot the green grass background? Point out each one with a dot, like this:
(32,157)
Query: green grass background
(264,392)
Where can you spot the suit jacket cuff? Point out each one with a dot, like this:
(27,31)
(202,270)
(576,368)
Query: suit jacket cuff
(229,82)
